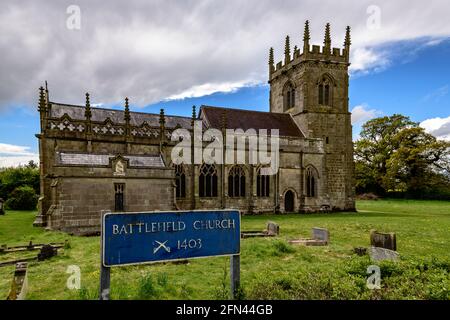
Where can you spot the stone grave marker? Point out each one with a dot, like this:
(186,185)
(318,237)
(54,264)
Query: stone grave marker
(273,229)
(320,237)
(381,254)
(321,234)
(383,240)
(19,285)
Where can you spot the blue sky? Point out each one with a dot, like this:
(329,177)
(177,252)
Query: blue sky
(208,52)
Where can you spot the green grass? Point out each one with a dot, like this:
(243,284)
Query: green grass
(269,267)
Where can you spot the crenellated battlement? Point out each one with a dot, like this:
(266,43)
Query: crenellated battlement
(317,53)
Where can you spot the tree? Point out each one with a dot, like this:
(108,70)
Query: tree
(31,164)
(395,154)
(11,178)
(22,198)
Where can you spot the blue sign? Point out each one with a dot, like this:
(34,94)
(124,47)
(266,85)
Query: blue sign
(135,238)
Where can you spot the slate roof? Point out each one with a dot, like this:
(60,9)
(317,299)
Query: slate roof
(117,116)
(247,119)
(69,158)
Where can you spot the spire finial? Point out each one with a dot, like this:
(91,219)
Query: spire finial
(41,106)
(87,111)
(327,40)
(162,119)
(46,92)
(287,51)
(194,115)
(271,60)
(127,111)
(224,119)
(306,34)
(306,38)
(347,41)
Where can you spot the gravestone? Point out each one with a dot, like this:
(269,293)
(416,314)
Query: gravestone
(320,237)
(383,240)
(321,234)
(381,254)
(19,285)
(2,204)
(47,251)
(273,229)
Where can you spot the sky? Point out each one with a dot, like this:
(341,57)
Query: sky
(175,54)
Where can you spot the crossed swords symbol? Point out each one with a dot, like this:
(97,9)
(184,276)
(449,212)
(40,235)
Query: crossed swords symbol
(161,245)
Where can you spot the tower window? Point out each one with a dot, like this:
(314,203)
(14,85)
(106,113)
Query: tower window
(208,181)
(324,91)
(118,198)
(262,184)
(311,182)
(288,96)
(180,181)
(236,182)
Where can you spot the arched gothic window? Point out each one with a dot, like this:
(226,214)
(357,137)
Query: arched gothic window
(180,181)
(208,181)
(236,182)
(262,184)
(325,88)
(288,96)
(311,182)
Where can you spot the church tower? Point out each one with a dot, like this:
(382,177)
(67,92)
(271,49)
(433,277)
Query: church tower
(312,85)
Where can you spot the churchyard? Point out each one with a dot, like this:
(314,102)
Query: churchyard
(271,268)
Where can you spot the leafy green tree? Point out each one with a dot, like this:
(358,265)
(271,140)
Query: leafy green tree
(22,198)
(11,178)
(395,154)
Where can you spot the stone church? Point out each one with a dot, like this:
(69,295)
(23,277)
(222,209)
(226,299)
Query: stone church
(94,159)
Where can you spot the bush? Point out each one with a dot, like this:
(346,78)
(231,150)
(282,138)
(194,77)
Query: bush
(12,178)
(410,279)
(147,289)
(22,198)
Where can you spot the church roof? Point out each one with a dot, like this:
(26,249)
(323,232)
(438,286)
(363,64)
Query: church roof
(248,119)
(117,116)
(73,158)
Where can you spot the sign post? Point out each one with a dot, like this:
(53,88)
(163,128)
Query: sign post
(148,237)
(235,275)
(105,272)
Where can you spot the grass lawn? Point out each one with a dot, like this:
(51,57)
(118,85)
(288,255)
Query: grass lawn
(269,267)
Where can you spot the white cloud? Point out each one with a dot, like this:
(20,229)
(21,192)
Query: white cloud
(365,60)
(13,155)
(439,127)
(15,161)
(10,149)
(157,50)
(362,113)
(210,88)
